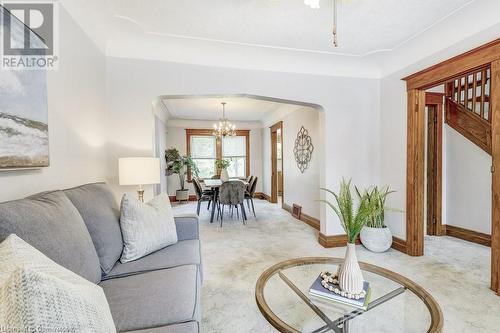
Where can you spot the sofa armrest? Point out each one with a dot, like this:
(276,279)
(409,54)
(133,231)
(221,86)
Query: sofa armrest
(187,227)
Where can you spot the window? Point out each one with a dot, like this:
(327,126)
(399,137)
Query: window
(234,149)
(204,149)
(203,152)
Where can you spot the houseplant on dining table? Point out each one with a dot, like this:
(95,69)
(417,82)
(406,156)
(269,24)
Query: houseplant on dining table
(222,166)
(352,218)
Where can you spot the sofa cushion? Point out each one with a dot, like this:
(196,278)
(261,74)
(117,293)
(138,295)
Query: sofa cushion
(189,327)
(99,209)
(50,223)
(36,294)
(187,227)
(154,299)
(146,227)
(183,253)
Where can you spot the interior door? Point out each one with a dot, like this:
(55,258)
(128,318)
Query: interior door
(274,159)
(434,106)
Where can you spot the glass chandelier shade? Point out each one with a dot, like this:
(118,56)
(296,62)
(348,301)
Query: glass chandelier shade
(224,128)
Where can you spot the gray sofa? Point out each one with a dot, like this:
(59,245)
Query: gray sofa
(79,229)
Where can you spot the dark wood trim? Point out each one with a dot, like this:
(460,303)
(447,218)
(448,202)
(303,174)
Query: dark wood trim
(274,165)
(398,244)
(312,221)
(436,315)
(455,66)
(191,198)
(261,195)
(434,102)
(434,98)
(334,240)
(468,235)
(488,54)
(415,173)
(495,152)
(218,147)
(470,125)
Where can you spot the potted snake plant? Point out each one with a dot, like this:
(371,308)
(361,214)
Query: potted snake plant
(375,235)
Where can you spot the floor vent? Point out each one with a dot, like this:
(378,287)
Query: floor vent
(296,211)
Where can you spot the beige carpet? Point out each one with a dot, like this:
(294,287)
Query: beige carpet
(455,272)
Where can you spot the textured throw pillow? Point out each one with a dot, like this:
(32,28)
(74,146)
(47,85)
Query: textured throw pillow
(38,295)
(146,227)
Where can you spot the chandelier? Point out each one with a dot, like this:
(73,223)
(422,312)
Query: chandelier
(315,5)
(224,127)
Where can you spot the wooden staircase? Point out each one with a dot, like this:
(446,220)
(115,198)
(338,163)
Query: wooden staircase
(468,108)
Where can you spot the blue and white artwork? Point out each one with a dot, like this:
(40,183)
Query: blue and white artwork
(24,134)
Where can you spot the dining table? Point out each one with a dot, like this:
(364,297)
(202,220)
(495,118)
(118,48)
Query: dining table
(215,184)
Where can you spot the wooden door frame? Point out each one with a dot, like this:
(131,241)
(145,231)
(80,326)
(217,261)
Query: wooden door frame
(434,175)
(416,84)
(274,166)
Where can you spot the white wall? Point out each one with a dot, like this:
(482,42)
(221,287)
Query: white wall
(77,119)
(468,184)
(176,137)
(393,149)
(133,84)
(299,188)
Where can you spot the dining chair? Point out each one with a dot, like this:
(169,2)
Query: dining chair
(202,195)
(249,182)
(249,194)
(232,194)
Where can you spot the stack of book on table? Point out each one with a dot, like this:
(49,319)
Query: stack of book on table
(317,290)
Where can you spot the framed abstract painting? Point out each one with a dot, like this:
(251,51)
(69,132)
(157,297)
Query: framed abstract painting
(24,133)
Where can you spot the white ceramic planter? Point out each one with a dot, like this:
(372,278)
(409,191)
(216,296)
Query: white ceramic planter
(376,239)
(182,195)
(224,176)
(350,275)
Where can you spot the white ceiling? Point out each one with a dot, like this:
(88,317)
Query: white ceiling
(244,109)
(365,26)
(376,37)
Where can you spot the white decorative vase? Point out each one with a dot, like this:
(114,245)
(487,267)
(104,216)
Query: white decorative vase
(224,176)
(349,274)
(376,239)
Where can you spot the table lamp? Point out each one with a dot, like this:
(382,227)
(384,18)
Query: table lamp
(139,171)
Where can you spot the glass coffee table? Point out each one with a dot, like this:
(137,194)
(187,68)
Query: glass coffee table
(397,304)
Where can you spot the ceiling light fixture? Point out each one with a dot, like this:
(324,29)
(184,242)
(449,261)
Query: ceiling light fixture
(334,31)
(315,5)
(312,3)
(224,127)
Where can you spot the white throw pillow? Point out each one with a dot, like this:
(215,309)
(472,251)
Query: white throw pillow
(146,227)
(38,295)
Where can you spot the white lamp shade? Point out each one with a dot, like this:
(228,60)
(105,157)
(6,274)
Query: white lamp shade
(139,170)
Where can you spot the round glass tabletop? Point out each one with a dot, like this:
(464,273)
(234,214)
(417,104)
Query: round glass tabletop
(397,304)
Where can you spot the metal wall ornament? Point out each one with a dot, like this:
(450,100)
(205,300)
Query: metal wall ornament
(303,149)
